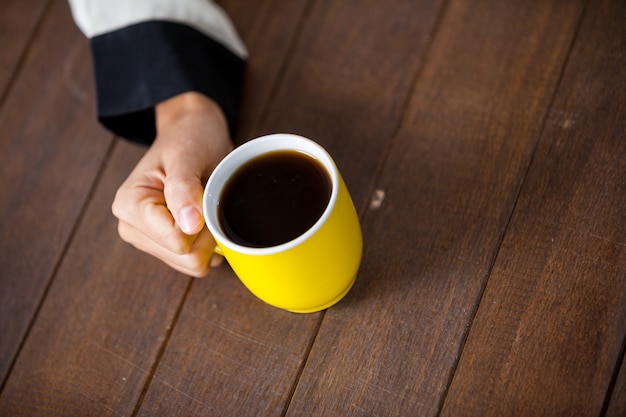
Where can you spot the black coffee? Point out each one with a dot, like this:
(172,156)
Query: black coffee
(274,198)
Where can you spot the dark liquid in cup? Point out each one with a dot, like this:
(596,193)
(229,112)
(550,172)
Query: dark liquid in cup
(274,198)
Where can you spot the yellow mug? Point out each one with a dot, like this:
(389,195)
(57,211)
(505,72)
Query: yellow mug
(313,271)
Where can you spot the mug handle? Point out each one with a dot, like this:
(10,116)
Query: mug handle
(218,250)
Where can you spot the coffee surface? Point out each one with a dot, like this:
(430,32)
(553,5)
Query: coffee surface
(274,198)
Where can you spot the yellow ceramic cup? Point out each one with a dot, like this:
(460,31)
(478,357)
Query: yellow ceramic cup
(309,273)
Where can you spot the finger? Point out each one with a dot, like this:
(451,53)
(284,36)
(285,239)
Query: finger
(196,262)
(183,195)
(141,210)
(216,260)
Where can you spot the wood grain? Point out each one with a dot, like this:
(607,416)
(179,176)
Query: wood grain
(491,135)
(242,356)
(347,83)
(450,182)
(617,396)
(103,323)
(50,154)
(230,354)
(550,329)
(236,343)
(18,20)
(269,30)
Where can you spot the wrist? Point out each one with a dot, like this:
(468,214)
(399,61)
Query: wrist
(191,128)
(188,104)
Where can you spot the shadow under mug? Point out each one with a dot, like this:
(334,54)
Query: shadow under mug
(309,273)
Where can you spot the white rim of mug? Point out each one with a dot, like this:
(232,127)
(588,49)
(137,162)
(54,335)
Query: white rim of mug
(238,157)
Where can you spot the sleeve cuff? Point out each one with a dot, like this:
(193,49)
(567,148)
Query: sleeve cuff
(143,64)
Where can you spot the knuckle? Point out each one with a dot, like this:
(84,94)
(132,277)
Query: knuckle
(201,272)
(117,207)
(179,246)
(199,265)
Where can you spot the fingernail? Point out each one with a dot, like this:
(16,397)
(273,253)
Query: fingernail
(188,219)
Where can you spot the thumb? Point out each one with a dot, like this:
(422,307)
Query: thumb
(183,196)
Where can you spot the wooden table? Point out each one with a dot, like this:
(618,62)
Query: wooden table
(494,274)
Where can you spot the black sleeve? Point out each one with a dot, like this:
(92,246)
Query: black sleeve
(140,65)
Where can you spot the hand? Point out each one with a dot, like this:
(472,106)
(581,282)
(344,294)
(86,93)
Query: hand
(159,206)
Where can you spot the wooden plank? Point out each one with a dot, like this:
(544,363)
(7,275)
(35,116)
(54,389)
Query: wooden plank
(269,31)
(50,153)
(230,354)
(103,323)
(450,184)
(242,357)
(18,20)
(349,80)
(549,333)
(617,399)
(93,354)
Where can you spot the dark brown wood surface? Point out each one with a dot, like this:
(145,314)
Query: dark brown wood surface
(484,143)
(554,307)
(50,156)
(19,19)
